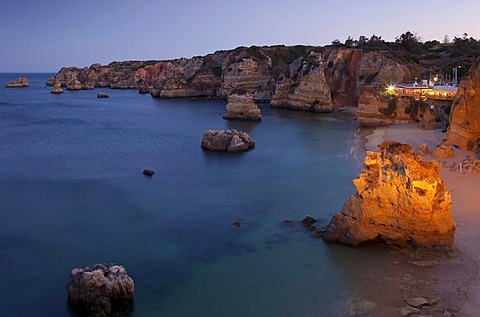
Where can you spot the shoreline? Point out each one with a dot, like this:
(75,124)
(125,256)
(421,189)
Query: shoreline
(451,282)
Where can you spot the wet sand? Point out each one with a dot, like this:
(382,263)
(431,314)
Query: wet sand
(453,283)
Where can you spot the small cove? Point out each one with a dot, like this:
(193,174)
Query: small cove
(72,194)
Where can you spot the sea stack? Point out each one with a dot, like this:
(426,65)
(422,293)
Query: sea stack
(241,106)
(57,89)
(20,83)
(227,141)
(101,289)
(400,201)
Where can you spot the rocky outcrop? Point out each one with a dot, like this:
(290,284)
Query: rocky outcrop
(101,289)
(102,95)
(376,108)
(57,89)
(227,141)
(400,201)
(119,75)
(442,151)
(304,87)
(241,106)
(20,83)
(464,127)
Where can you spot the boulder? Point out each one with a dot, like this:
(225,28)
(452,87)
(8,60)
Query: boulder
(148,172)
(241,106)
(101,289)
(422,149)
(400,201)
(442,151)
(102,95)
(57,89)
(20,83)
(227,141)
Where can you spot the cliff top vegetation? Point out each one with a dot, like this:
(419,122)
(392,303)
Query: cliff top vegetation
(409,48)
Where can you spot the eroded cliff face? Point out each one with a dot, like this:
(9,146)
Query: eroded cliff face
(464,129)
(117,75)
(377,109)
(400,201)
(298,77)
(304,86)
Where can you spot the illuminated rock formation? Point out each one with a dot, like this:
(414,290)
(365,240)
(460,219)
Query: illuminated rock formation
(464,128)
(400,201)
(227,141)
(241,106)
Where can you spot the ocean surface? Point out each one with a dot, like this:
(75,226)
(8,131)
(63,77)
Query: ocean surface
(72,193)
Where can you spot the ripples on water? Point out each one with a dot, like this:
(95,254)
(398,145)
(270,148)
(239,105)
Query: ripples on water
(72,194)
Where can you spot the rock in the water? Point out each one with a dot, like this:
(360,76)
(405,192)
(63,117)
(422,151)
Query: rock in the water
(102,95)
(442,151)
(101,289)
(308,220)
(422,149)
(57,89)
(148,172)
(227,141)
(241,106)
(400,201)
(21,82)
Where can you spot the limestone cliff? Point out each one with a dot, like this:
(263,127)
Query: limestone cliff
(304,86)
(400,201)
(464,129)
(299,77)
(375,108)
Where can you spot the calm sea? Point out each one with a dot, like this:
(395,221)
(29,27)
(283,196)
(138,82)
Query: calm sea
(72,193)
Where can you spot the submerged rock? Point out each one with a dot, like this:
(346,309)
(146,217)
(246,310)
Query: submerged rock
(400,201)
(148,172)
(102,95)
(422,149)
(101,289)
(227,141)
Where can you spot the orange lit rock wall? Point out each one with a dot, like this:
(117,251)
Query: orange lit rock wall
(464,129)
(400,201)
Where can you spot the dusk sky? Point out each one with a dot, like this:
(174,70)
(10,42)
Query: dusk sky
(46,35)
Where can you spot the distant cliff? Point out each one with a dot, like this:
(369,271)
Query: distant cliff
(299,77)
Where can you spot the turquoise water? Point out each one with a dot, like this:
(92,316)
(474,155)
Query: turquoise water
(72,193)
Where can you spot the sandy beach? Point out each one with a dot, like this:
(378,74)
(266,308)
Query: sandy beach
(453,282)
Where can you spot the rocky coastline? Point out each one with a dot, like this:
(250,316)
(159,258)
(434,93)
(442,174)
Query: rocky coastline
(320,79)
